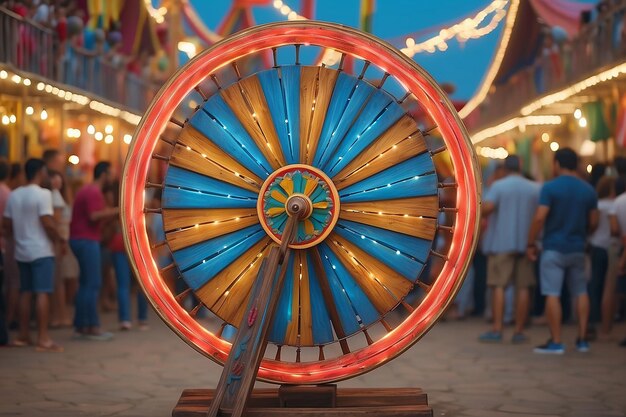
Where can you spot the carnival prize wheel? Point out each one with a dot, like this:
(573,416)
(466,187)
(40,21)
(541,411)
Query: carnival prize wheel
(325,113)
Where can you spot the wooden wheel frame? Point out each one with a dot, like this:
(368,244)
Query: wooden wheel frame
(350,43)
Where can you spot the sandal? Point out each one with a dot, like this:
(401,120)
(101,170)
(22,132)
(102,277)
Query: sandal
(20,343)
(51,347)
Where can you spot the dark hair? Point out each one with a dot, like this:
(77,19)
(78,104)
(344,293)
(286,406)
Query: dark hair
(32,168)
(513,163)
(4,169)
(597,171)
(49,155)
(16,170)
(620,165)
(51,174)
(605,186)
(101,168)
(566,158)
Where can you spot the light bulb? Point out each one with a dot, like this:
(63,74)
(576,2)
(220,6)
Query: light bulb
(44,114)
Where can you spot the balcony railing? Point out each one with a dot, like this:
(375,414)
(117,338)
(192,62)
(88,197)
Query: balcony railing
(32,48)
(599,45)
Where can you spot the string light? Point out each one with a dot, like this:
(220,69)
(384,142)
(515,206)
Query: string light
(108,139)
(495,64)
(575,89)
(43,115)
(287,11)
(73,159)
(462,31)
(157,14)
(493,153)
(582,122)
(12,118)
(108,129)
(91,129)
(578,114)
(554,146)
(98,136)
(127,139)
(74,97)
(29,111)
(5,120)
(188,47)
(517,122)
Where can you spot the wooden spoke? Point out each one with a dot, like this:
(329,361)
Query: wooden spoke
(209,159)
(417,206)
(400,142)
(403,215)
(328,299)
(300,329)
(247,101)
(316,90)
(227,291)
(383,286)
(207,224)
(174,219)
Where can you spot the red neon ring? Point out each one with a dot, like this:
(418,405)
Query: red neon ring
(415,80)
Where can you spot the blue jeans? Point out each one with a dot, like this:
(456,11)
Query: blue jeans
(87,254)
(123,276)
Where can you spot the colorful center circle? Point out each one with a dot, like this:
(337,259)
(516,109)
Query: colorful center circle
(312,185)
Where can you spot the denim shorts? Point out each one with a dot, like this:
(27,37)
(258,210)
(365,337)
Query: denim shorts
(37,276)
(555,267)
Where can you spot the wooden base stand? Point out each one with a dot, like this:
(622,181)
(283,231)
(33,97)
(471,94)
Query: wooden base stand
(315,401)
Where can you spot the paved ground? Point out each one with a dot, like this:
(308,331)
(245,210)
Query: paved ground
(143,373)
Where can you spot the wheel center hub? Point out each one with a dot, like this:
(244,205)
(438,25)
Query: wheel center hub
(304,192)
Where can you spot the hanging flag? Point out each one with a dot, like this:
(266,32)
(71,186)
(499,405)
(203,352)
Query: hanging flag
(138,29)
(366,17)
(598,128)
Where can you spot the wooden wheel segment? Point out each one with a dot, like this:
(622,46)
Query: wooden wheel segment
(354,295)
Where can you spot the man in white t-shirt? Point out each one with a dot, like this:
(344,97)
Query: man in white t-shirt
(28,218)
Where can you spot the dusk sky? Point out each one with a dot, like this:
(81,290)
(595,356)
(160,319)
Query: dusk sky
(463,66)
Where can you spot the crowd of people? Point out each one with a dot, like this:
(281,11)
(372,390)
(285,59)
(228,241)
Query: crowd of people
(58,254)
(88,57)
(566,239)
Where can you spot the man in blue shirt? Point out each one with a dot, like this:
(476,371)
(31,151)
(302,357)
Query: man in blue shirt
(567,212)
(510,204)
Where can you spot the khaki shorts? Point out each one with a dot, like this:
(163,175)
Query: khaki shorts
(506,268)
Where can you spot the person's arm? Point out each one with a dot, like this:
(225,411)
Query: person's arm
(50,226)
(103,213)
(594,218)
(615,230)
(7,227)
(535,228)
(488,208)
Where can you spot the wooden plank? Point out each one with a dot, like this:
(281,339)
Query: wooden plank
(203,145)
(370,161)
(391,402)
(247,100)
(190,236)
(188,159)
(181,218)
(307,396)
(417,206)
(318,267)
(237,280)
(300,329)
(383,286)
(316,90)
(421,227)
